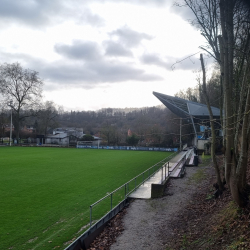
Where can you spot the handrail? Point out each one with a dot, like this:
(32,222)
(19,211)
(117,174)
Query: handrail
(126,185)
(127,192)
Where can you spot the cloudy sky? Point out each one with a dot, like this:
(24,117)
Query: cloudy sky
(96,54)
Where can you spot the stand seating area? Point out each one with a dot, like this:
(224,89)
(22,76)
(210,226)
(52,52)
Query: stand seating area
(186,158)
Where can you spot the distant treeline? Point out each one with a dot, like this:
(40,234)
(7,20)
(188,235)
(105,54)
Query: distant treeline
(152,126)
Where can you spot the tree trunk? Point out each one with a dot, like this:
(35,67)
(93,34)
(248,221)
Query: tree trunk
(235,166)
(228,126)
(243,159)
(217,169)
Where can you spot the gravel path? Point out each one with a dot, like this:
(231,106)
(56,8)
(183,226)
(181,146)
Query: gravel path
(145,218)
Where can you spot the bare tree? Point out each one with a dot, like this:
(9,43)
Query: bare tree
(108,132)
(226,26)
(190,94)
(207,20)
(235,45)
(217,169)
(47,117)
(21,87)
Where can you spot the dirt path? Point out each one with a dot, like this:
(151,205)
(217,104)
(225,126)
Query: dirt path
(147,222)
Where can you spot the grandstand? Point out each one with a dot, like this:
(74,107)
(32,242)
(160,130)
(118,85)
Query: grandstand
(194,112)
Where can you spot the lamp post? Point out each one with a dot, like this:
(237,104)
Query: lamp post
(11,102)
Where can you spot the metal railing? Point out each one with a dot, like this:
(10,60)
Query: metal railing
(117,200)
(125,190)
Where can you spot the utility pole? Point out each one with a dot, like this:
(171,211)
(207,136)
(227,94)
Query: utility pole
(10,121)
(10,126)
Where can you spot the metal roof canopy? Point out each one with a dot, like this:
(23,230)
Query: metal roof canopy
(187,109)
(184,108)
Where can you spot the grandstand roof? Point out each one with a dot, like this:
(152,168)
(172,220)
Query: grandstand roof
(184,108)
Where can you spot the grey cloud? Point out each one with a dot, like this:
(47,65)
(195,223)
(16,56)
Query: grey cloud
(116,49)
(89,74)
(81,50)
(66,74)
(150,2)
(31,12)
(153,59)
(39,13)
(159,3)
(120,72)
(183,11)
(130,37)
(92,19)
(25,60)
(191,63)
(137,2)
(44,12)
(171,63)
(89,65)
(93,74)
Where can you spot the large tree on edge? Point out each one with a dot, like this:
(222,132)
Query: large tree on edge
(20,87)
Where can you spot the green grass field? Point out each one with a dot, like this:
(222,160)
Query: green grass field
(45,193)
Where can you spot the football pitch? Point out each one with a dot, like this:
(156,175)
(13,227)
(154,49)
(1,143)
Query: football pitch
(45,193)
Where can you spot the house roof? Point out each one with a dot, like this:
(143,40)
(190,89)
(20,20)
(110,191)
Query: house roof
(95,137)
(64,135)
(58,136)
(184,108)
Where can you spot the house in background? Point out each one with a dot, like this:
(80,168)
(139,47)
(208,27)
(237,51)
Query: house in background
(130,132)
(28,129)
(61,139)
(6,127)
(67,137)
(77,132)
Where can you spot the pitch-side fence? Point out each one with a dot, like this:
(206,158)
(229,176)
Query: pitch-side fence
(79,145)
(115,201)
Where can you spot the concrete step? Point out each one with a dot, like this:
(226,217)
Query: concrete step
(191,162)
(176,174)
(189,153)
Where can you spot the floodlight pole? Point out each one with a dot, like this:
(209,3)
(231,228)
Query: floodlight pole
(10,121)
(10,126)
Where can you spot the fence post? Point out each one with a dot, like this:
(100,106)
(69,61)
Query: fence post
(162,174)
(135,182)
(165,171)
(111,200)
(127,187)
(143,178)
(90,217)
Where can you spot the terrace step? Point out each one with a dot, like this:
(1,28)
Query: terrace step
(191,162)
(175,168)
(179,170)
(176,174)
(189,153)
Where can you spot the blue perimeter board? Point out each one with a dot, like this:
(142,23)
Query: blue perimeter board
(129,148)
